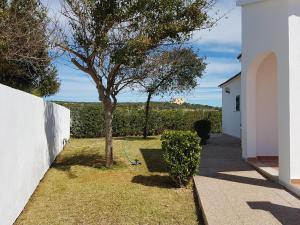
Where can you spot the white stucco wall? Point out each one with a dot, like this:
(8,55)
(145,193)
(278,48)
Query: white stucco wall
(273,27)
(294,71)
(231,119)
(266,108)
(32,133)
(263,34)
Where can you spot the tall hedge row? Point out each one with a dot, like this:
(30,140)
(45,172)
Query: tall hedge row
(87,120)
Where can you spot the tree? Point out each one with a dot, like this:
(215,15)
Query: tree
(3,4)
(110,38)
(173,71)
(25,62)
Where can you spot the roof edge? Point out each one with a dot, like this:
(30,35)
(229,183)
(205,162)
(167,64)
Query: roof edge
(230,79)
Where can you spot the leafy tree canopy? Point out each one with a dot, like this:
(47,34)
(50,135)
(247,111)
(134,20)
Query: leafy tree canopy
(177,70)
(25,63)
(109,39)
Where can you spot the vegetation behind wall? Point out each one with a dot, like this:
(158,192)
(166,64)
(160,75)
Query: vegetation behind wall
(87,118)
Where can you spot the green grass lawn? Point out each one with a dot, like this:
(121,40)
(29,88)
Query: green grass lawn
(79,190)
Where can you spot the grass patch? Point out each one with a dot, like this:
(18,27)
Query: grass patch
(78,189)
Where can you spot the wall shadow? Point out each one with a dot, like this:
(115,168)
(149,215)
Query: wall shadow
(154,160)
(50,131)
(247,180)
(222,157)
(154,181)
(285,215)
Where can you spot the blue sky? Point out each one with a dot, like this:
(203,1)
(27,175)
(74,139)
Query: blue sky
(220,46)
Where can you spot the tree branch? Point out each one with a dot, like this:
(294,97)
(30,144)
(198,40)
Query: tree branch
(79,66)
(65,48)
(112,77)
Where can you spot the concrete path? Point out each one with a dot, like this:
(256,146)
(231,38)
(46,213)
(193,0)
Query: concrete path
(233,193)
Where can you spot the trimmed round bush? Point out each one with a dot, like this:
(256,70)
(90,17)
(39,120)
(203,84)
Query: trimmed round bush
(181,155)
(203,129)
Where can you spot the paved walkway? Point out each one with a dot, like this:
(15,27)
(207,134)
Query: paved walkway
(233,193)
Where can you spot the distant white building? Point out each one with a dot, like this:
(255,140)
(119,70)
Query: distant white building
(231,107)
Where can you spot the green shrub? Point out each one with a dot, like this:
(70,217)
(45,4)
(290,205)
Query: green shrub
(215,119)
(181,155)
(203,129)
(87,122)
(87,119)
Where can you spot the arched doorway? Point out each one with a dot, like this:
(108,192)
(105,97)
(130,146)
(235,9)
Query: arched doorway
(260,107)
(267,107)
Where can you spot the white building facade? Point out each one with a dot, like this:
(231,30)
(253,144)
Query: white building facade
(231,108)
(270,83)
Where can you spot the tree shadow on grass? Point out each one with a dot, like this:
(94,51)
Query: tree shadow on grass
(89,160)
(134,138)
(96,161)
(154,160)
(154,181)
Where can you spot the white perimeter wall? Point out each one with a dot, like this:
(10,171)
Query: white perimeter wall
(231,119)
(32,133)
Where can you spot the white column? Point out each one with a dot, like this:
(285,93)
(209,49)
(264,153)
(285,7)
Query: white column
(249,113)
(294,96)
(284,119)
(248,90)
(244,113)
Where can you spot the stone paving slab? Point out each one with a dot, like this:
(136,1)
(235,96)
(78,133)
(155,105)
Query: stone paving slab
(232,193)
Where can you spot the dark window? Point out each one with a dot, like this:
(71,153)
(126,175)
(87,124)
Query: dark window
(237,103)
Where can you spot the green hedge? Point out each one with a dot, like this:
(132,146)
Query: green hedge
(87,120)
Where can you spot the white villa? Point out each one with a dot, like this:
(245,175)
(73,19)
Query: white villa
(231,106)
(267,92)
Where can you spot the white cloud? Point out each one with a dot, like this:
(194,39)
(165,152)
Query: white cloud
(211,83)
(222,68)
(226,49)
(228,29)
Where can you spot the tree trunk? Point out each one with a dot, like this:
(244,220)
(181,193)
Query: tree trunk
(108,117)
(147,113)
